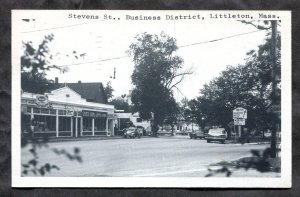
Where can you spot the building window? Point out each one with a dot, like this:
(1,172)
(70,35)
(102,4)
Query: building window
(44,123)
(61,112)
(138,120)
(87,124)
(28,110)
(100,124)
(53,111)
(44,111)
(64,123)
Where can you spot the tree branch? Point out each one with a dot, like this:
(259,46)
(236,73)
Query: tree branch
(183,74)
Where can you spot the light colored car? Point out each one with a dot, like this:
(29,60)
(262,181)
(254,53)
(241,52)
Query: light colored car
(131,132)
(218,134)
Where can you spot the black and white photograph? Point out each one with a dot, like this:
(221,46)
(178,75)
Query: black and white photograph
(190,99)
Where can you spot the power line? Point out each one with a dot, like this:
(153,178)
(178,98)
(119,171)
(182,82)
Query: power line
(219,39)
(67,26)
(102,60)
(197,43)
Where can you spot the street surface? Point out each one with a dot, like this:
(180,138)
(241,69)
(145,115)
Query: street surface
(176,156)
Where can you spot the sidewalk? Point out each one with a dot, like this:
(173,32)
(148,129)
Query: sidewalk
(83,138)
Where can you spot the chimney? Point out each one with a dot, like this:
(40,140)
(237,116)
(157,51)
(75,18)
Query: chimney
(79,82)
(56,79)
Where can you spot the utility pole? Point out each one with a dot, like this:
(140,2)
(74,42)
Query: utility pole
(275,97)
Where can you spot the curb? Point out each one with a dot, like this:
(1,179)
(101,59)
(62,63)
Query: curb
(50,140)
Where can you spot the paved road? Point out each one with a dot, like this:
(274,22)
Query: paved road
(164,156)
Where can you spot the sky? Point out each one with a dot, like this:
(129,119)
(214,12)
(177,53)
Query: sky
(103,40)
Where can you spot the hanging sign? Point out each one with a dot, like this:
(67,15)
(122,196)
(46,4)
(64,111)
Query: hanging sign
(94,114)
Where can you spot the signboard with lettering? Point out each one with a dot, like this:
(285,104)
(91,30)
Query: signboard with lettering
(94,114)
(239,113)
(239,121)
(41,100)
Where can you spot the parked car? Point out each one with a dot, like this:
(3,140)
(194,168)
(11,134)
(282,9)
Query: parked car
(141,130)
(131,132)
(218,134)
(267,134)
(197,134)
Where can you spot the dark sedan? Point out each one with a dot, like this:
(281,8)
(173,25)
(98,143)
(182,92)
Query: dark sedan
(197,134)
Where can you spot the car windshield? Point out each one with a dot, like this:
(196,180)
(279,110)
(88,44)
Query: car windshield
(216,131)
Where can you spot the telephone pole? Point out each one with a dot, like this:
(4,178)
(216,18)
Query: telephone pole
(275,97)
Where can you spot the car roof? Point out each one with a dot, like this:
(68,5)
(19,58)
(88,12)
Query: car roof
(217,129)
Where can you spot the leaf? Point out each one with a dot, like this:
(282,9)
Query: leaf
(33,162)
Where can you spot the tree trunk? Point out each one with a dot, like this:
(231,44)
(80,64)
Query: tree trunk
(155,128)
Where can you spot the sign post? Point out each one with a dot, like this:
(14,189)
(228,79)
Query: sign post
(239,118)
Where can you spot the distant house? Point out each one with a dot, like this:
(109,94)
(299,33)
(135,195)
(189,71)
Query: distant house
(92,92)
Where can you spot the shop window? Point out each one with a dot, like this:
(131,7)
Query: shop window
(28,109)
(100,124)
(44,111)
(44,123)
(53,111)
(64,123)
(87,124)
(36,110)
(61,112)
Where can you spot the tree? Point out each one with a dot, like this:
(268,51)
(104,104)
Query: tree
(157,72)
(173,116)
(34,64)
(108,91)
(121,104)
(247,86)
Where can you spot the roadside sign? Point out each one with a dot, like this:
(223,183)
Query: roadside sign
(239,121)
(239,113)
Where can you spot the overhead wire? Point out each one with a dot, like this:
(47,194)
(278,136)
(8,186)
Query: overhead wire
(61,27)
(219,39)
(182,46)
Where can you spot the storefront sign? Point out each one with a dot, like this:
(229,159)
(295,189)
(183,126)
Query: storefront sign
(41,100)
(94,114)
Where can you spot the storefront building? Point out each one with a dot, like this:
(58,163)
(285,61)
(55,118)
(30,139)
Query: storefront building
(64,113)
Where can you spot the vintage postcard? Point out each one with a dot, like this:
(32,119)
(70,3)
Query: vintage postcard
(123,98)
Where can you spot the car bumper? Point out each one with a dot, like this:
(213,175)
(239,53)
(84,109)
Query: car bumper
(215,138)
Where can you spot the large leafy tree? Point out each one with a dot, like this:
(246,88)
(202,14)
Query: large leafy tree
(157,72)
(34,64)
(247,86)
(108,90)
